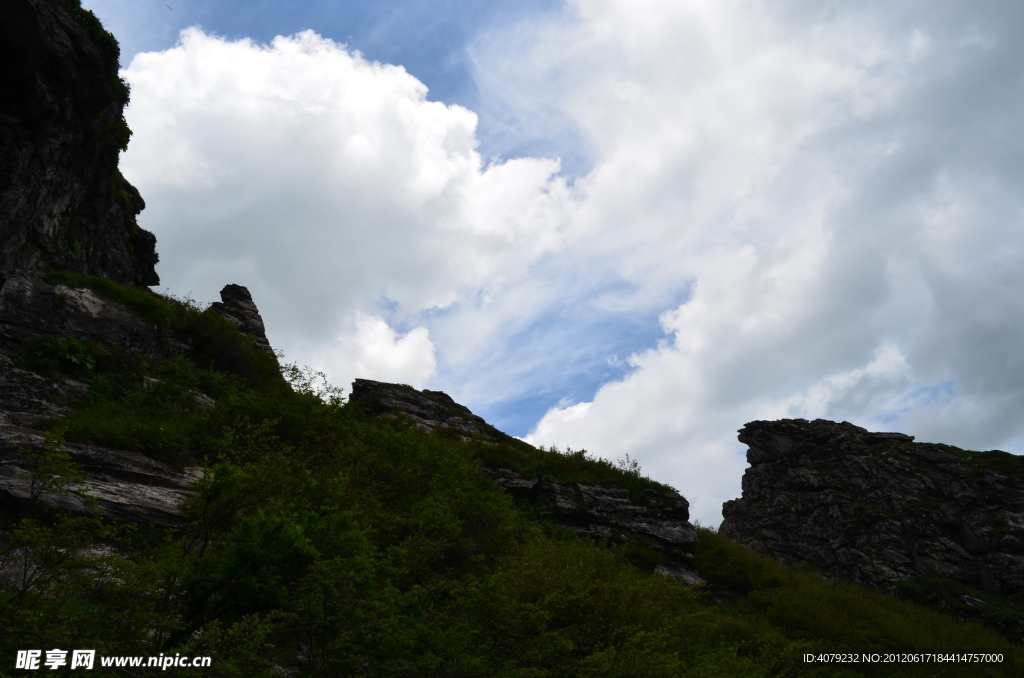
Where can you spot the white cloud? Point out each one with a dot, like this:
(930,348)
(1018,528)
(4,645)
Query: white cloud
(327,184)
(829,194)
(371,349)
(841,189)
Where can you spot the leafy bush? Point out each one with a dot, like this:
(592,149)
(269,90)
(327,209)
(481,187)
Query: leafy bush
(53,357)
(845,616)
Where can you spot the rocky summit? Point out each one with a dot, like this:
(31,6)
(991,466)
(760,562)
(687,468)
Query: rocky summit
(426,410)
(879,508)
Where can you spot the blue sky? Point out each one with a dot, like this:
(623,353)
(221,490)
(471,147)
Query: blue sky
(630,227)
(432,40)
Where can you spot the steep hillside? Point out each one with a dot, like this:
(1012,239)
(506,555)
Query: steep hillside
(169,489)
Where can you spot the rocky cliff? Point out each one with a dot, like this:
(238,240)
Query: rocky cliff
(63,202)
(128,486)
(30,308)
(879,508)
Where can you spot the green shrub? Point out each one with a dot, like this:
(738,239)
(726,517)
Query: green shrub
(55,357)
(845,616)
(564,467)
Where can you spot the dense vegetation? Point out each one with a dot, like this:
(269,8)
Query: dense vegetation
(326,543)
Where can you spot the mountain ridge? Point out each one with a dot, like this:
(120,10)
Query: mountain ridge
(168,487)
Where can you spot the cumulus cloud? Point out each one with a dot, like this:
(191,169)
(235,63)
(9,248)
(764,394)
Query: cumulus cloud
(331,187)
(819,204)
(839,186)
(373,350)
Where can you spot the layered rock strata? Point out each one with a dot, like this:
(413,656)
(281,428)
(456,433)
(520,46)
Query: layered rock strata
(30,307)
(659,519)
(63,202)
(879,508)
(127,486)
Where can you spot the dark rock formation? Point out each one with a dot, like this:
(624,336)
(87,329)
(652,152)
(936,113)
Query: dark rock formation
(128,487)
(65,205)
(658,520)
(879,508)
(63,202)
(236,305)
(427,410)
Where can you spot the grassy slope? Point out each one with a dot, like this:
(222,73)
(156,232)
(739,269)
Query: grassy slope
(332,544)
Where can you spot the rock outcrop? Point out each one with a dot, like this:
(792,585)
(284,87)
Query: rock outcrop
(236,305)
(656,519)
(63,202)
(426,410)
(65,205)
(879,508)
(30,307)
(127,486)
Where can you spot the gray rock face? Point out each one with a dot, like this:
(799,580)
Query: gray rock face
(63,202)
(878,508)
(427,410)
(236,305)
(30,307)
(128,486)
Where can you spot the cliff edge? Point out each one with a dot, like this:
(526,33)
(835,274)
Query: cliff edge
(63,202)
(883,510)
